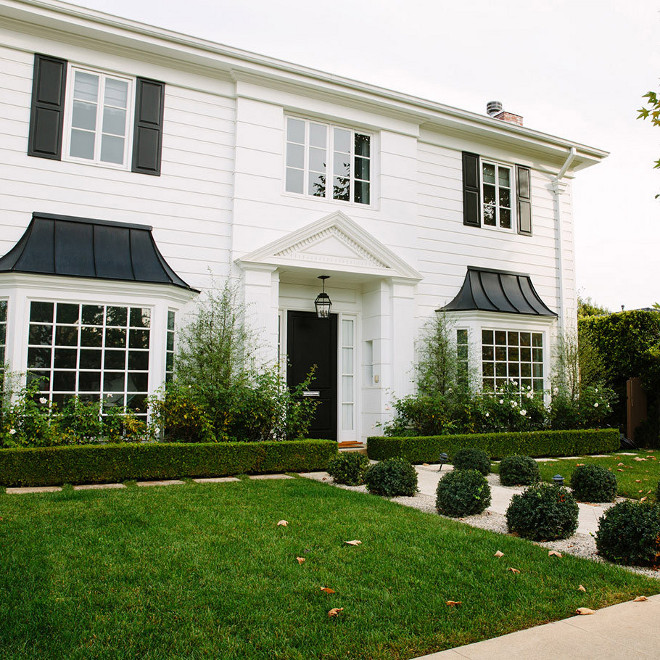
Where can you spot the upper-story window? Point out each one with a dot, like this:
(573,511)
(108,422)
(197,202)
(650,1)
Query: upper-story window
(327,161)
(97,122)
(497,195)
(88,116)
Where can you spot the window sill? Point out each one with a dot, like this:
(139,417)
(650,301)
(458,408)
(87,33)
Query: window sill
(341,202)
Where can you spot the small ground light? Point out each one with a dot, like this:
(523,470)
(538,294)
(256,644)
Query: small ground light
(443,458)
(558,480)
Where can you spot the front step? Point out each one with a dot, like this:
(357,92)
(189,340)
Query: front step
(353,446)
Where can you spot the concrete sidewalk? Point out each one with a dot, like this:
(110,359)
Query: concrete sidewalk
(628,631)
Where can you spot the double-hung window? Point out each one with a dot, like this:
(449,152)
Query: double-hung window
(497,195)
(512,357)
(327,161)
(97,122)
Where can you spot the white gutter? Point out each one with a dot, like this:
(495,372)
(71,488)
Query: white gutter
(557,189)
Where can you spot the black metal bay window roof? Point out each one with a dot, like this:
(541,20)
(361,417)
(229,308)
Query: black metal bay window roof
(490,290)
(84,247)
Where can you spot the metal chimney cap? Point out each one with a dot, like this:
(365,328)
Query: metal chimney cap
(494,108)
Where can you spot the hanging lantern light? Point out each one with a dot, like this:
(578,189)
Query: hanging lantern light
(323,303)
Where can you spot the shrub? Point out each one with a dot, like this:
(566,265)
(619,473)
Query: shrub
(518,470)
(462,493)
(472,459)
(53,466)
(348,468)
(593,483)
(427,449)
(629,533)
(657,494)
(391,478)
(181,417)
(543,513)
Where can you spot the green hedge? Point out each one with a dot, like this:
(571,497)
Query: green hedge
(83,464)
(426,449)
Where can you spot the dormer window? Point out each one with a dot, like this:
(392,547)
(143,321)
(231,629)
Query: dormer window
(327,161)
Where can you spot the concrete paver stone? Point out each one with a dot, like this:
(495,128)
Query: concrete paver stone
(270,476)
(215,480)
(32,489)
(168,482)
(98,486)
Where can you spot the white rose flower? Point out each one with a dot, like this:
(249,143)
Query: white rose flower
(555,390)
(596,405)
(487,414)
(514,404)
(523,412)
(12,431)
(529,395)
(501,400)
(43,401)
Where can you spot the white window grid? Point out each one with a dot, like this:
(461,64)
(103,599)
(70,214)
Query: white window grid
(347,374)
(499,214)
(512,356)
(325,156)
(98,129)
(3,335)
(169,346)
(87,349)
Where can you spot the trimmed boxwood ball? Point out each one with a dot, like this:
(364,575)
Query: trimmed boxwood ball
(472,459)
(543,513)
(462,493)
(518,470)
(629,533)
(593,483)
(391,478)
(348,468)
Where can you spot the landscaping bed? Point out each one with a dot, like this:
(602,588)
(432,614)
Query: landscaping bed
(637,475)
(205,571)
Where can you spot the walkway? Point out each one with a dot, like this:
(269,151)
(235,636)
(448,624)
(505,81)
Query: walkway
(628,631)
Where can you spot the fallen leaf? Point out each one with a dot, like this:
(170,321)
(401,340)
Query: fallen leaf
(640,491)
(639,599)
(581,588)
(424,463)
(328,590)
(619,470)
(554,553)
(637,458)
(585,610)
(638,481)
(453,603)
(579,464)
(513,570)
(282,523)
(353,542)
(335,611)
(499,553)
(300,560)
(620,464)
(643,499)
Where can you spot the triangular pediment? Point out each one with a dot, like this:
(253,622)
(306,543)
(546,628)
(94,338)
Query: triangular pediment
(336,242)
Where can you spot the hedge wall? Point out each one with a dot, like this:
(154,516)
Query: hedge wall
(496,445)
(83,464)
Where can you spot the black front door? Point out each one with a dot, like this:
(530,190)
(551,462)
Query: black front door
(313,341)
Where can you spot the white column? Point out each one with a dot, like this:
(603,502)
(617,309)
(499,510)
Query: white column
(403,336)
(261,287)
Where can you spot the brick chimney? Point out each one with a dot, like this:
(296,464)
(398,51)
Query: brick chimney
(494,110)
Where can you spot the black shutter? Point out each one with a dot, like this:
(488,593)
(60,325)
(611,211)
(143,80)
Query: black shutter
(47,111)
(148,132)
(524,189)
(471,196)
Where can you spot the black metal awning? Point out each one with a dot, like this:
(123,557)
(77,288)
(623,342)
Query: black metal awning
(83,247)
(490,290)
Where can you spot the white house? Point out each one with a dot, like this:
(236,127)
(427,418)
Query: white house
(135,160)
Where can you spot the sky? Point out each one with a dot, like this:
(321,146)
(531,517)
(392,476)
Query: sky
(572,68)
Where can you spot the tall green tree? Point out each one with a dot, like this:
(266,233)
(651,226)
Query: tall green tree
(651,111)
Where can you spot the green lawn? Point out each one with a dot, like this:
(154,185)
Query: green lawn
(197,571)
(636,479)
